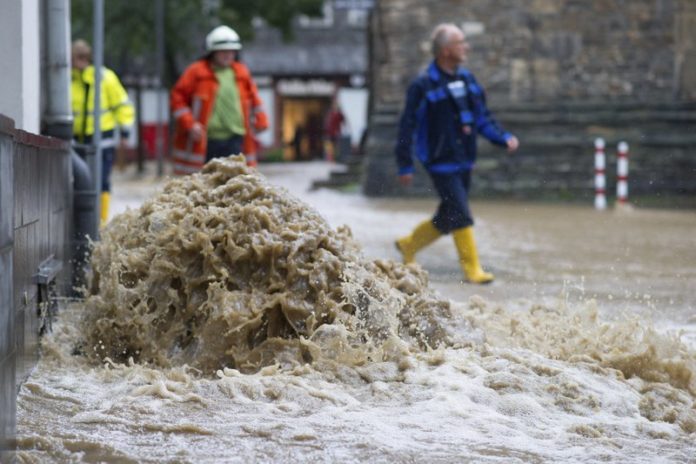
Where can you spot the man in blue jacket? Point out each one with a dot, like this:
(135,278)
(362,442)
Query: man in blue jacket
(445,111)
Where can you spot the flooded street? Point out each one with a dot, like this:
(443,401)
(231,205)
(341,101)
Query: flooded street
(582,350)
(636,261)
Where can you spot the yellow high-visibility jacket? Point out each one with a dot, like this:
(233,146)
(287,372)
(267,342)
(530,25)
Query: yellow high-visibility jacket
(116,108)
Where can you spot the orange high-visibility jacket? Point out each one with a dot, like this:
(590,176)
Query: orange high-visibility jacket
(193,99)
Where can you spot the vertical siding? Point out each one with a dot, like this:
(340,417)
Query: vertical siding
(7,322)
(35,224)
(43,215)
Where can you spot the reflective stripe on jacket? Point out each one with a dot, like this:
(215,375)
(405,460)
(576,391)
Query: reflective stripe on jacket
(116,108)
(196,89)
(444,114)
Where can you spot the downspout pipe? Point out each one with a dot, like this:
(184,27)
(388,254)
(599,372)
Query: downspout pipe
(57,119)
(85,218)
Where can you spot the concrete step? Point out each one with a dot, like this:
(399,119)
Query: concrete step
(347,172)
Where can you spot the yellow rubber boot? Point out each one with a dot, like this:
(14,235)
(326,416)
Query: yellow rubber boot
(468,257)
(423,235)
(105,200)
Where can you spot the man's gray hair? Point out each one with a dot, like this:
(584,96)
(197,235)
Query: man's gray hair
(441,36)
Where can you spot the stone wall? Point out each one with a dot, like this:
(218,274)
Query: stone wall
(546,50)
(558,73)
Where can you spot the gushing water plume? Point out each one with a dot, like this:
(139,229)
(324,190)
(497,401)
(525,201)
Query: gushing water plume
(221,269)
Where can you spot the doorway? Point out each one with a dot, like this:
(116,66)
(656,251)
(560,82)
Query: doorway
(303,127)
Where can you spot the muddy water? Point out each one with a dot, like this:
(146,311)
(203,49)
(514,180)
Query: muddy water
(637,261)
(571,355)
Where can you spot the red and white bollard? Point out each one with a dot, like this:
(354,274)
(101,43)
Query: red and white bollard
(622,175)
(600,200)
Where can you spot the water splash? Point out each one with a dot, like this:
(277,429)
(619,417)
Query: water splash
(222,269)
(227,319)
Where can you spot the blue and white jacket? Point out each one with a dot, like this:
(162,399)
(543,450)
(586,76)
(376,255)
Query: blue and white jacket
(444,113)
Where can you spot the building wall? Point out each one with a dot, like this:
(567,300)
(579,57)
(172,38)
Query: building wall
(558,74)
(266,138)
(35,207)
(19,50)
(31,67)
(7,339)
(11,52)
(353,103)
(685,59)
(547,50)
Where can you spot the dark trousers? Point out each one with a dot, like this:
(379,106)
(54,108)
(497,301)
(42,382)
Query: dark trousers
(453,212)
(221,148)
(107,164)
(108,154)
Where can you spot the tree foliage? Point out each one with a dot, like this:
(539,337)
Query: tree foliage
(129,28)
(277,13)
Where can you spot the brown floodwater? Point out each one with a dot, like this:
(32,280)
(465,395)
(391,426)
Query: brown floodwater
(241,318)
(640,261)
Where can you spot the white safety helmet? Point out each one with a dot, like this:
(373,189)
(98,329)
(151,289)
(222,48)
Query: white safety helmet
(222,38)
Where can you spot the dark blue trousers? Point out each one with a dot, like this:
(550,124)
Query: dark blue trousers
(108,154)
(453,212)
(221,148)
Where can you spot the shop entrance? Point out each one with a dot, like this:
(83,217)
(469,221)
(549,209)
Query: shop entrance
(303,127)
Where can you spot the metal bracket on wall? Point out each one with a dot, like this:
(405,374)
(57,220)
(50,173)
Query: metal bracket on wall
(48,270)
(47,305)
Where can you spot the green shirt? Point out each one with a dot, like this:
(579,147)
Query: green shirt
(227,118)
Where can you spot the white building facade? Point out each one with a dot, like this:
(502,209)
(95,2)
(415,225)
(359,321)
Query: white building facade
(20,37)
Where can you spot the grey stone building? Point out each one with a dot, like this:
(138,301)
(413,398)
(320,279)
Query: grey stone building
(558,73)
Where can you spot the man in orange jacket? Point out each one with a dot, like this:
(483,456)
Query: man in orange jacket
(216,106)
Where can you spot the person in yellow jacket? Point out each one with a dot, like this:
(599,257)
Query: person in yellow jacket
(116,111)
